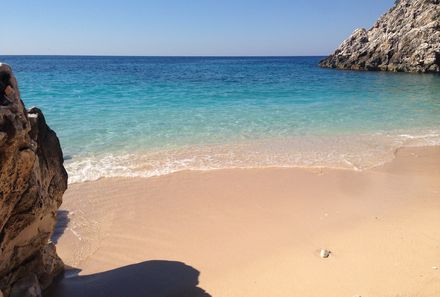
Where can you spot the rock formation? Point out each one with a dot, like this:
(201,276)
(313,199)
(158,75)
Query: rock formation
(32,183)
(406,38)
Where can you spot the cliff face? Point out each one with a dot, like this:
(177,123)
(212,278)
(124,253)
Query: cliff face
(406,38)
(32,182)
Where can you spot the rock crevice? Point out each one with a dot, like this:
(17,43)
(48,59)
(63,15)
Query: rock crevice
(32,183)
(405,39)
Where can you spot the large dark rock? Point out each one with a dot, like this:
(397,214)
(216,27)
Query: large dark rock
(406,38)
(32,183)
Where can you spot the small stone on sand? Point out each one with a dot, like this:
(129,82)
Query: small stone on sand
(325,253)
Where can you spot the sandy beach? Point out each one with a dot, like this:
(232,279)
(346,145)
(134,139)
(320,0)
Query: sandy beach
(220,149)
(256,232)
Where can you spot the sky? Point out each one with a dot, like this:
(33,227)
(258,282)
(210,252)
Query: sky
(183,27)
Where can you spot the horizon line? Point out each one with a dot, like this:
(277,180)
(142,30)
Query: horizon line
(160,56)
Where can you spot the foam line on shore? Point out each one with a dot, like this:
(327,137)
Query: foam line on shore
(354,152)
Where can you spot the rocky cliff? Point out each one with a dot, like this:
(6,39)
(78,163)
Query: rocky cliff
(406,38)
(32,183)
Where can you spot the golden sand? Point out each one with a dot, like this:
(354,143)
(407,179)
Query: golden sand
(257,232)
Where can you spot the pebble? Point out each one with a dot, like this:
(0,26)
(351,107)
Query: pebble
(325,253)
(435,267)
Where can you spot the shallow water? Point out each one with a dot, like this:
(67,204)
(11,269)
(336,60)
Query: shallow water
(144,116)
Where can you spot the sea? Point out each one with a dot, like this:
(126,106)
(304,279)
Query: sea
(150,116)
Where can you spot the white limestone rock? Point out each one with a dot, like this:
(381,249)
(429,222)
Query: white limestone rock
(406,38)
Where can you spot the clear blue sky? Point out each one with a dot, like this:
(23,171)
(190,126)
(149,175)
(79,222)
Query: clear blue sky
(183,27)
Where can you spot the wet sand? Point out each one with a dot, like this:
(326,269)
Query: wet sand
(256,232)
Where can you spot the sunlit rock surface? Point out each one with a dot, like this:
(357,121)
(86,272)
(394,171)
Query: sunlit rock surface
(406,38)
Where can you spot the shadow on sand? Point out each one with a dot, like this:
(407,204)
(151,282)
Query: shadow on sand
(60,227)
(146,279)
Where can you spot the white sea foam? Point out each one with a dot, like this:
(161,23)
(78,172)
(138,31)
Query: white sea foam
(356,152)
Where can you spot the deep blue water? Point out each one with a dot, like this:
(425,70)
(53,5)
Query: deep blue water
(119,116)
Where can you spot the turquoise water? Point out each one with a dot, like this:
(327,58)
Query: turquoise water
(144,116)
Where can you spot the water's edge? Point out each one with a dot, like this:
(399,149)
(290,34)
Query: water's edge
(361,155)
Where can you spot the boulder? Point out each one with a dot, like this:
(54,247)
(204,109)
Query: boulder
(32,183)
(405,39)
